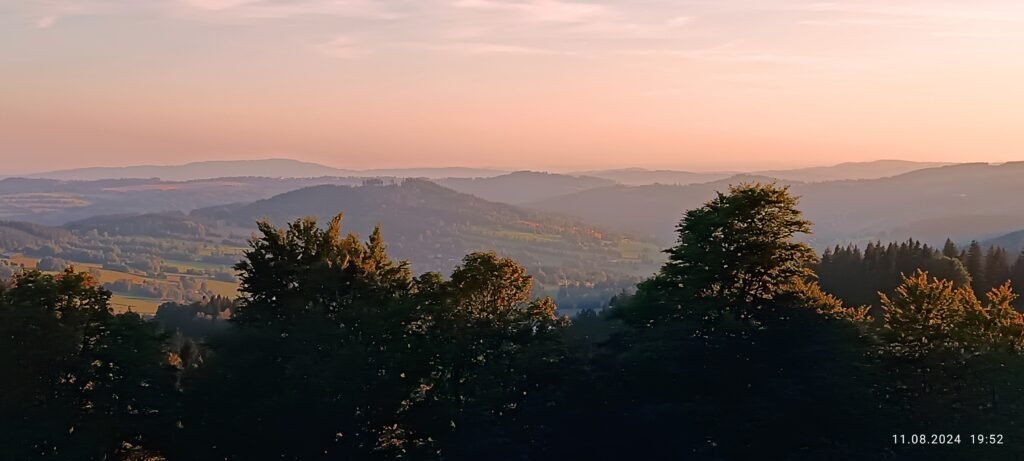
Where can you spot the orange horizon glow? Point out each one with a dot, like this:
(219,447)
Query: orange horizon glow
(510,84)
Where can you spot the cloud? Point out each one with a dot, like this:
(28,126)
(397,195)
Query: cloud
(46,21)
(46,13)
(894,13)
(540,10)
(735,52)
(276,9)
(481,48)
(680,21)
(342,47)
(219,4)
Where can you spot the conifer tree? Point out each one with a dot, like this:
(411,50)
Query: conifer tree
(974,261)
(997,267)
(950,250)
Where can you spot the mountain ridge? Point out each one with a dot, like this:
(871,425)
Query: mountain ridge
(962,201)
(269,168)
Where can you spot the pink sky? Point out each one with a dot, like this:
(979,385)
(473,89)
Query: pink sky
(552,84)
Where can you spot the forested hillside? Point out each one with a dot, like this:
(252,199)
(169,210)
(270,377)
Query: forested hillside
(432,226)
(151,258)
(523,186)
(857,276)
(336,350)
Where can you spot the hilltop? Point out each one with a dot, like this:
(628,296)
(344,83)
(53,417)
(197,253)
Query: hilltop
(434,226)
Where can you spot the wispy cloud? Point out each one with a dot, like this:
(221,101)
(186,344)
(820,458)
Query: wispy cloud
(47,13)
(541,10)
(342,47)
(898,13)
(733,51)
(270,9)
(46,21)
(480,48)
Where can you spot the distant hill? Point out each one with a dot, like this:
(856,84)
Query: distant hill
(959,201)
(434,227)
(523,186)
(851,170)
(15,235)
(268,168)
(1013,242)
(641,176)
(168,224)
(55,202)
(431,173)
(651,211)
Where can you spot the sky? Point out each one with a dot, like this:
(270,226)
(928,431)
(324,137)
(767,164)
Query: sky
(542,84)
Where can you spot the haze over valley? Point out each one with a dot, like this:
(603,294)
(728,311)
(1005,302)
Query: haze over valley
(562,227)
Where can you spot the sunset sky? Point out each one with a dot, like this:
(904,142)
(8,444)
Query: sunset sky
(543,84)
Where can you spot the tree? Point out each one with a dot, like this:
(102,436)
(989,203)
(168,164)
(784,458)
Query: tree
(79,381)
(926,317)
(488,342)
(950,250)
(950,357)
(857,277)
(340,352)
(997,267)
(735,253)
(1017,272)
(974,261)
(304,271)
(733,347)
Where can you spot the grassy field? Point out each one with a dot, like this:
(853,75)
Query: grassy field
(186,265)
(228,289)
(122,302)
(631,249)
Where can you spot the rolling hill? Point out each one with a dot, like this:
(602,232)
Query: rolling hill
(55,202)
(523,186)
(958,201)
(167,224)
(643,176)
(1013,242)
(434,226)
(843,171)
(850,170)
(15,235)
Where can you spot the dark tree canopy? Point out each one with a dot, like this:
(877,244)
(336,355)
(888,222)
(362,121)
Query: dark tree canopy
(78,381)
(342,352)
(334,350)
(734,253)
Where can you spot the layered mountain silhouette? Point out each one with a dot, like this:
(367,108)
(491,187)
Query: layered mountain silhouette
(268,168)
(958,201)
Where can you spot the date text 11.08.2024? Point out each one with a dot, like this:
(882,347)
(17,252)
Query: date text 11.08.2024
(947,439)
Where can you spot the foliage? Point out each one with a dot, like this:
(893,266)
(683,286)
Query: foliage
(735,253)
(341,352)
(335,350)
(79,382)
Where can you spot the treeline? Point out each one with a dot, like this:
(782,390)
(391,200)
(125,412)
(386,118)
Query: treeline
(149,256)
(336,351)
(857,276)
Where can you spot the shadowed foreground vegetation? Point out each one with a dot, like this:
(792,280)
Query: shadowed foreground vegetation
(334,350)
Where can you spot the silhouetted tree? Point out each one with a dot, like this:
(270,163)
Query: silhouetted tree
(78,381)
